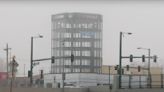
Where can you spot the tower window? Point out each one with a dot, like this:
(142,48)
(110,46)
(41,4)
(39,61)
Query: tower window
(67,35)
(86,44)
(86,53)
(67,44)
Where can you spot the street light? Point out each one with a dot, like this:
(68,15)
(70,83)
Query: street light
(120,56)
(149,78)
(31,67)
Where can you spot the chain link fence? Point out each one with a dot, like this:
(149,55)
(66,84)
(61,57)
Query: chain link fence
(143,81)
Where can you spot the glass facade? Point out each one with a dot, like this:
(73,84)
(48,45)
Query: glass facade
(79,34)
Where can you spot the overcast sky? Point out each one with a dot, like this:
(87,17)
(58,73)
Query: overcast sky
(21,20)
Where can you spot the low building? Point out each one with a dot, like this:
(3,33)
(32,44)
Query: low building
(80,80)
(106,69)
(155,72)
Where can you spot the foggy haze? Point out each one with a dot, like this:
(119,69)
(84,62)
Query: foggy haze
(21,20)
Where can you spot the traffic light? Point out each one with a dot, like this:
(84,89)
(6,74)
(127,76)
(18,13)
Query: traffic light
(72,57)
(127,67)
(29,73)
(41,74)
(116,67)
(143,58)
(155,58)
(122,71)
(52,59)
(139,68)
(131,58)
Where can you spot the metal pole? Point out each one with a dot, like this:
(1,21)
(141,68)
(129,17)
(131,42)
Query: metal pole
(71,67)
(63,75)
(140,81)
(24,69)
(12,74)
(130,81)
(7,51)
(161,80)
(109,79)
(31,68)
(120,59)
(71,57)
(149,73)
(7,60)
(25,74)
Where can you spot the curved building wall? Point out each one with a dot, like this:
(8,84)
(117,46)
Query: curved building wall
(79,34)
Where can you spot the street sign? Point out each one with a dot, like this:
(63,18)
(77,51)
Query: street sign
(36,63)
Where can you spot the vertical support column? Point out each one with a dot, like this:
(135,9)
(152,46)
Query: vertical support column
(31,67)
(120,60)
(130,81)
(140,86)
(161,80)
(150,81)
(72,50)
(63,78)
(7,62)
(149,73)
(72,70)
(109,78)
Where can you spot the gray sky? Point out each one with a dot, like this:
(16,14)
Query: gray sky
(21,20)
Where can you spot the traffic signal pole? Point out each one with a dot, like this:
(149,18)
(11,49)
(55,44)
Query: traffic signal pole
(30,73)
(120,60)
(31,67)
(149,73)
(143,60)
(120,56)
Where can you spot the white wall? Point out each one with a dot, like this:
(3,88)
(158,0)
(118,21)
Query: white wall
(90,79)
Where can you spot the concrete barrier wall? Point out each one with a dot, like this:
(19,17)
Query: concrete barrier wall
(99,89)
(141,90)
(91,89)
(44,90)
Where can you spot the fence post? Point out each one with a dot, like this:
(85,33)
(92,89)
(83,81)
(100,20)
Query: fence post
(129,81)
(139,81)
(150,81)
(161,80)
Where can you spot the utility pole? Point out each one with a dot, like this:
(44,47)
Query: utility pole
(12,75)
(14,65)
(7,61)
(31,67)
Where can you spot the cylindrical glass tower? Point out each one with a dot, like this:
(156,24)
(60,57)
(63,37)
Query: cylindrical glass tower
(79,34)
